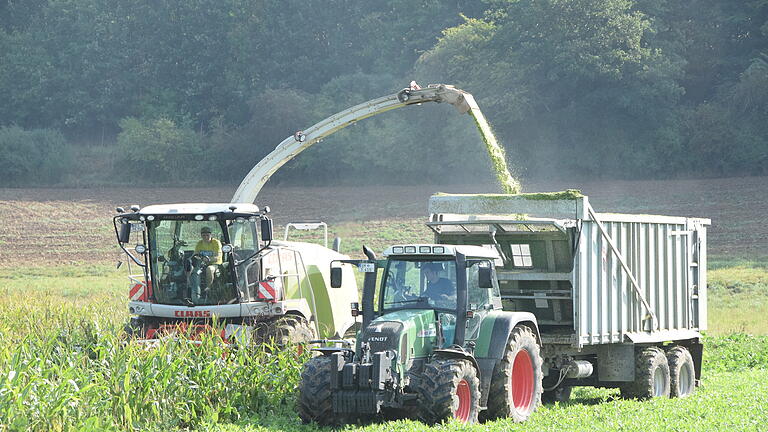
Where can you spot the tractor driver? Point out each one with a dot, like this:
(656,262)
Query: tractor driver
(439,289)
(211,248)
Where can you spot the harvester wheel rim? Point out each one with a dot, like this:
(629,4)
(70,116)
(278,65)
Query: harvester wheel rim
(659,382)
(522,381)
(465,401)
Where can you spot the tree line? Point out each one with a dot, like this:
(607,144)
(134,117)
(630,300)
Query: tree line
(99,91)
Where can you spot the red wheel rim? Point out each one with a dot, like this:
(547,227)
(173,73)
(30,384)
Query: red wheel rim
(522,382)
(465,401)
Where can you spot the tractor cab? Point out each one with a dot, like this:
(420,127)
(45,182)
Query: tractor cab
(430,277)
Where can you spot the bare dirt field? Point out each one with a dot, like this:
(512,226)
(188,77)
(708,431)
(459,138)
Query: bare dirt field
(61,226)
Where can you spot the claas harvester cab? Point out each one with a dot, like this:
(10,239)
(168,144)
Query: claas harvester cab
(434,344)
(216,267)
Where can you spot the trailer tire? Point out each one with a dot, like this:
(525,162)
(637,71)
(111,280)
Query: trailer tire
(516,384)
(560,394)
(315,401)
(449,388)
(283,331)
(682,372)
(651,376)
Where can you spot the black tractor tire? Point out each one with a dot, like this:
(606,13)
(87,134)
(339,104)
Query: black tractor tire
(284,331)
(682,372)
(448,388)
(560,394)
(315,401)
(516,384)
(651,375)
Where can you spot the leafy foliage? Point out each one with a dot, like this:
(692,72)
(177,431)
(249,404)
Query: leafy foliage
(38,156)
(614,88)
(160,149)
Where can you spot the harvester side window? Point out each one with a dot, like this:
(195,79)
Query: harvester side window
(521,255)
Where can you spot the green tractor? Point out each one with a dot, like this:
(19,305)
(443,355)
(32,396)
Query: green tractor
(434,344)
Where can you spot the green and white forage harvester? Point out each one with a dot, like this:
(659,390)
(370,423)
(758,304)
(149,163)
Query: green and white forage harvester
(545,294)
(259,288)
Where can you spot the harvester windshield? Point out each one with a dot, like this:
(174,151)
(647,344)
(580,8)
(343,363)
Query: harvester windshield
(188,264)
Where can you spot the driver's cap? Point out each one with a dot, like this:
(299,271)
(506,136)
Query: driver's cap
(204,230)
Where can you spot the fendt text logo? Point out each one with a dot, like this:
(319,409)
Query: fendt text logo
(192,314)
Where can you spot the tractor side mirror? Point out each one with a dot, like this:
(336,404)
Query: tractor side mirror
(484,276)
(335,277)
(124,236)
(266,229)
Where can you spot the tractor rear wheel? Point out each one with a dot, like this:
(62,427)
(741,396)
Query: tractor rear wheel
(516,384)
(283,331)
(682,372)
(315,401)
(651,375)
(449,388)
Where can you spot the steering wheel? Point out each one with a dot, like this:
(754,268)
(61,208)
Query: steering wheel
(399,292)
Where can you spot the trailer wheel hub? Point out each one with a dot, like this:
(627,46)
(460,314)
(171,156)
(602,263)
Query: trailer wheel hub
(465,401)
(522,381)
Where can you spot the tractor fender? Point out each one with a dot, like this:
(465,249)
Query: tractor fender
(495,331)
(456,353)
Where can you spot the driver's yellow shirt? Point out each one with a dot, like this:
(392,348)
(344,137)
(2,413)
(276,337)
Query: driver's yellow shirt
(210,249)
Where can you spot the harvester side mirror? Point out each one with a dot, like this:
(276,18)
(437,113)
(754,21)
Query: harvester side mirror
(266,229)
(484,277)
(124,235)
(335,277)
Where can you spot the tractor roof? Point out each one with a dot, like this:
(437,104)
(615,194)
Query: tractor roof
(198,208)
(440,250)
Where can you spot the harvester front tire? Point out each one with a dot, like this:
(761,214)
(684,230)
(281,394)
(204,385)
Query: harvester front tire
(682,372)
(449,388)
(315,402)
(516,384)
(283,331)
(651,376)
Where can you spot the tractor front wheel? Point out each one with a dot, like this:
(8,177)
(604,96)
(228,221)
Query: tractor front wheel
(516,384)
(449,388)
(315,401)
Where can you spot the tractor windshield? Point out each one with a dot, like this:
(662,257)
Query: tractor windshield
(187,263)
(420,284)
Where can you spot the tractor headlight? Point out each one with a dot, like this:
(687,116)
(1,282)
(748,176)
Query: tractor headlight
(212,218)
(438,249)
(397,249)
(140,248)
(227,248)
(150,218)
(410,249)
(425,249)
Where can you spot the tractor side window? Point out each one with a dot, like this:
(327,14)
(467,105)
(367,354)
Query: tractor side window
(479,298)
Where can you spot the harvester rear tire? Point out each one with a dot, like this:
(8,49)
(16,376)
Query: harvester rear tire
(449,388)
(516,384)
(651,375)
(315,401)
(283,331)
(682,372)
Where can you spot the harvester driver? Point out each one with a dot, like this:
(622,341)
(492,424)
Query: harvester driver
(439,289)
(209,248)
